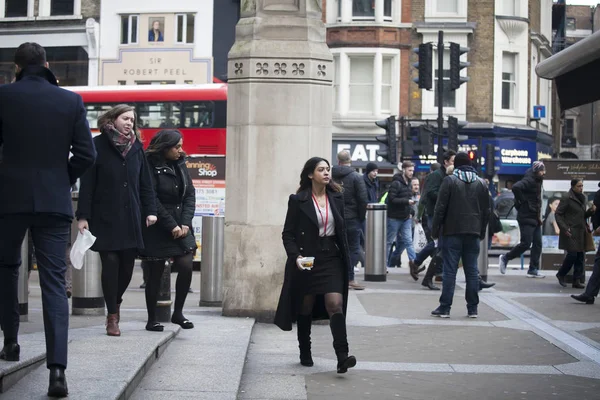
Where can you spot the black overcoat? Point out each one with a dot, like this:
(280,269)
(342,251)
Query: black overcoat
(301,237)
(176,204)
(571,214)
(116,196)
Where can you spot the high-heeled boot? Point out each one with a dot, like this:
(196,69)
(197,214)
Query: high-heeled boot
(429,275)
(303,325)
(112,326)
(337,324)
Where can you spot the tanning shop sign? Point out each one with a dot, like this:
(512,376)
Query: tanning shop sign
(208,176)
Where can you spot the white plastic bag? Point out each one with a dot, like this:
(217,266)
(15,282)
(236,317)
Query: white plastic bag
(419,238)
(82,244)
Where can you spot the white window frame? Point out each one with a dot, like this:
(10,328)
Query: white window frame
(336,83)
(340,11)
(343,100)
(513,100)
(432,14)
(45,7)
(184,30)
(129,31)
(389,85)
(29,16)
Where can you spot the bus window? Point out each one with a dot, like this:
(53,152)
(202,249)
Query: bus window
(198,114)
(95,111)
(159,115)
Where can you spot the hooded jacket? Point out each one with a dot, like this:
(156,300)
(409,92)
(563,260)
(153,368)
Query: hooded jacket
(354,190)
(528,198)
(398,198)
(463,205)
(372,187)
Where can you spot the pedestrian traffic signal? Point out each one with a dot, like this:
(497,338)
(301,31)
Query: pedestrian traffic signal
(490,160)
(426,141)
(456,65)
(424,66)
(389,140)
(453,130)
(473,158)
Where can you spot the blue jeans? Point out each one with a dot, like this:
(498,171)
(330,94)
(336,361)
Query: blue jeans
(353,233)
(429,249)
(454,248)
(400,231)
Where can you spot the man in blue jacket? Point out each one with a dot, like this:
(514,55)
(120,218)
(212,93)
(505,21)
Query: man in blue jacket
(40,124)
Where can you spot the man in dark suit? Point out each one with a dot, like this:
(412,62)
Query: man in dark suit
(40,124)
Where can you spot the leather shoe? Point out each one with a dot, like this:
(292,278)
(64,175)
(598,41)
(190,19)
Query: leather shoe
(58,383)
(413,268)
(578,285)
(561,280)
(10,352)
(485,285)
(583,298)
(429,284)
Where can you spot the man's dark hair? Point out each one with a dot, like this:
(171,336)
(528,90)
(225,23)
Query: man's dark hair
(434,167)
(30,53)
(449,154)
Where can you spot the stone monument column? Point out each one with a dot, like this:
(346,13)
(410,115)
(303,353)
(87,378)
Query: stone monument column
(279,111)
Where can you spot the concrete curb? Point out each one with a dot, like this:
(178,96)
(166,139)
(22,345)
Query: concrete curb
(33,355)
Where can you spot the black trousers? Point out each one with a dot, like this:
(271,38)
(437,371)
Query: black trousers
(593,285)
(50,234)
(531,236)
(575,259)
(117,269)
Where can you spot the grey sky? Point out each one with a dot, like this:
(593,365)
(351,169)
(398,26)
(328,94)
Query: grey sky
(583,2)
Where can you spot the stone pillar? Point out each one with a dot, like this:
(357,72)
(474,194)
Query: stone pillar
(279,112)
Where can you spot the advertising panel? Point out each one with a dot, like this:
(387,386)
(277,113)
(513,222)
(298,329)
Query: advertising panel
(208,176)
(557,183)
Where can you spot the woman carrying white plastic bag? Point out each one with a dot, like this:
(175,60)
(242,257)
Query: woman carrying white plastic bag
(82,244)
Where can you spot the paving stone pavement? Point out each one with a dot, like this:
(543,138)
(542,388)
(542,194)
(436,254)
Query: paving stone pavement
(531,341)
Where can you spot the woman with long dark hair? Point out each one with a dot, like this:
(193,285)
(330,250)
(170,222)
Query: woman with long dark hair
(115,198)
(570,217)
(172,237)
(314,227)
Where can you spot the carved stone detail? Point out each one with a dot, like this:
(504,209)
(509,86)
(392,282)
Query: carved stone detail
(239,68)
(262,69)
(280,68)
(298,69)
(322,70)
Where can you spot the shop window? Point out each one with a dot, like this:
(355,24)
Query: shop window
(129,29)
(62,7)
(185,28)
(361,84)
(198,114)
(509,82)
(15,8)
(159,115)
(95,111)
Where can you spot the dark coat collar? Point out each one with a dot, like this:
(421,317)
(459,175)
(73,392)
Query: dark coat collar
(309,209)
(37,71)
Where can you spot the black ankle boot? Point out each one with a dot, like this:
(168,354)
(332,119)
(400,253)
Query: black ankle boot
(340,343)
(58,382)
(303,325)
(428,278)
(10,352)
(484,285)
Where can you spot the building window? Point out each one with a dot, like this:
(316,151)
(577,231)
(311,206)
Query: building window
(447,6)
(361,84)
(129,29)
(569,127)
(15,8)
(386,85)
(62,7)
(509,82)
(363,9)
(571,24)
(185,28)
(336,83)
(511,7)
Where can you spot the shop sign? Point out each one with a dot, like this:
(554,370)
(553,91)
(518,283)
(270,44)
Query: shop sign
(361,152)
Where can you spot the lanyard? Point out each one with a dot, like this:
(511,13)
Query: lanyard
(326,219)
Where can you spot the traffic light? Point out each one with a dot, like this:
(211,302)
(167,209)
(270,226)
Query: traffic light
(456,65)
(490,159)
(424,66)
(426,141)
(453,130)
(391,153)
(473,158)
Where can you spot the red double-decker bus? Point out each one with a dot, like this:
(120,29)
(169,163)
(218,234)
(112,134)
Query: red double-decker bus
(198,111)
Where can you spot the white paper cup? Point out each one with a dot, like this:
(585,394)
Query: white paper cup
(307,262)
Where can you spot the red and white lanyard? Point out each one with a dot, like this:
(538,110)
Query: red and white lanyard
(325,220)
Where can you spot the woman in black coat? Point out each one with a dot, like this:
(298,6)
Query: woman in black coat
(115,198)
(172,236)
(314,227)
(570,217)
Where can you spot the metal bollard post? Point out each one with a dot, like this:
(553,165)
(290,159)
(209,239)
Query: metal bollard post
(87,284)
(163,303)
(211,270)
(376,242)
(23,292)
(483,259)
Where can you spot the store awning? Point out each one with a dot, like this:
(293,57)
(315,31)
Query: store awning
(575,71)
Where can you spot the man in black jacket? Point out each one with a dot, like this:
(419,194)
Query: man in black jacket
(39,125)
(355,209)
(372,182)
(528,202)
(399,221)
(461,216)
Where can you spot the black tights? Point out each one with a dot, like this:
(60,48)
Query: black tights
(333,303)
(183,264)
(117,269)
